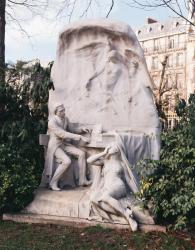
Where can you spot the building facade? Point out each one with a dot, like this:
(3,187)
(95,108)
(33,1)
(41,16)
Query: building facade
(169,50)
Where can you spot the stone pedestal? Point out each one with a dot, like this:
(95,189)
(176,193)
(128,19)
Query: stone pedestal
(70,203)
(69,208)
(73,203)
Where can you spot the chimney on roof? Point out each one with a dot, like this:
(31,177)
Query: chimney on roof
(150,20)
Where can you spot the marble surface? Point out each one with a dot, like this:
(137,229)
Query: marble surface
(101,77)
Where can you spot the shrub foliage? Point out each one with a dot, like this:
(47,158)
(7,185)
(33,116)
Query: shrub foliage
(23,115)
(171,185)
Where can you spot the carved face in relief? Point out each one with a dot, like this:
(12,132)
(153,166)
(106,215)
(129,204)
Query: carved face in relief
(113,69)
(132,61)
(60,111)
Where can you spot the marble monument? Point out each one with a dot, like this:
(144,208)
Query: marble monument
(100,77)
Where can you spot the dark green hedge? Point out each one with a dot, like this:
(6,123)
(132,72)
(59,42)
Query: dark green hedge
(23,116)
(171,186)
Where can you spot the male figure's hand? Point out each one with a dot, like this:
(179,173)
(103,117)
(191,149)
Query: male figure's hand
(85,139)
(86,130)
(106,150)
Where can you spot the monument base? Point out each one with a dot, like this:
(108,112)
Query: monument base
(73,202)
(69,207)
(75,222)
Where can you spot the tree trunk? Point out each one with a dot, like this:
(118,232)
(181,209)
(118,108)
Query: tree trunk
(162,81)
(2,40)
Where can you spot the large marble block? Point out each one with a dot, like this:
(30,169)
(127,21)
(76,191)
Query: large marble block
(65,203)
(101,77)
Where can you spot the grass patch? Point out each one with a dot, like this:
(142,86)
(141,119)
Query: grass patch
(14,236)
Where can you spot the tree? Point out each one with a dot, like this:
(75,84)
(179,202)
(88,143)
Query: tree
(7,15)
(165,85)
(63,8)
(2,40)
(182,8)
(161,89)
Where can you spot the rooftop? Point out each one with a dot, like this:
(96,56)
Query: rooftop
(157,29)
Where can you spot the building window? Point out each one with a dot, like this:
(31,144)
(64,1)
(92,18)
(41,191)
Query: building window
(168,81)
(181,41)
(169,124)
(155,80)
(144,46)
(179,81)
(179,60)
(155,44)
(138,32)
(193,58)
(155,62)
(171,43)
(170,61)
(176,24)
(194,75)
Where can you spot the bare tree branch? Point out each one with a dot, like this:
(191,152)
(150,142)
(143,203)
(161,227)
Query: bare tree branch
(174,5)
(87,9)
(176,12)
(111,7)
(179,7)
(72,11)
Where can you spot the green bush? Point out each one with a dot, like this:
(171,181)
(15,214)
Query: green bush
(23,116)
(18,179)
(171,185)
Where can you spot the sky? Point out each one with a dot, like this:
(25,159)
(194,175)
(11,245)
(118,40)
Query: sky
(41,32)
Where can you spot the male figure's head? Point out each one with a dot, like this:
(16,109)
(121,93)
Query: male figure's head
(60,111)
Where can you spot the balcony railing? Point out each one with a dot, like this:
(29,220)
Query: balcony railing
(166,48)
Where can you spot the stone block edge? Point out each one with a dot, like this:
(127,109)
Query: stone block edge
(75,222)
